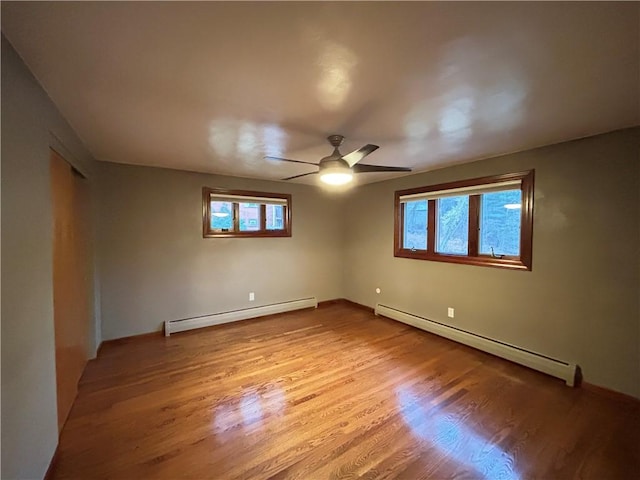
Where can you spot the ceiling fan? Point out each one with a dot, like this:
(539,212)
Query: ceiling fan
(338,169)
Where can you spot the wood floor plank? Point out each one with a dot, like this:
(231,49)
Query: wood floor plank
(334,393)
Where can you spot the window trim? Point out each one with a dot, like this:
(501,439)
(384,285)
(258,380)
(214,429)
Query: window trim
(524,262)
(207,232)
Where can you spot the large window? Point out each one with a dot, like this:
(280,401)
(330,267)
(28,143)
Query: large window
(233,213)
(483,221)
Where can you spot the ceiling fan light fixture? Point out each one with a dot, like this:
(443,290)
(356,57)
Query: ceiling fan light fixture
(336,175)
(338,169)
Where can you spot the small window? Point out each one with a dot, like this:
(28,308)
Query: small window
(483,221)
(233,213)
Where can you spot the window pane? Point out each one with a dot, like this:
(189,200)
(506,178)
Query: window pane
(249,217)
(275,217)
(414,235)
(452,229)
(500,222)
(222,216)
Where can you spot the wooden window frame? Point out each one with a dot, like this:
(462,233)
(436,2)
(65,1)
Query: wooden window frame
(523,262)
(207,232)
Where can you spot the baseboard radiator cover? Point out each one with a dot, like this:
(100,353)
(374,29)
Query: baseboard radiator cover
(557,368)
(175,326)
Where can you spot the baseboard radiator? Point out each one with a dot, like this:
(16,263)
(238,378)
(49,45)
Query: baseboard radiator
(175,326)
(550,366)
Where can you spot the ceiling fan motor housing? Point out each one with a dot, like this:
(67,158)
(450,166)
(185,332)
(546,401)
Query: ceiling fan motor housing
(335,159)
(335,140)
(333,162)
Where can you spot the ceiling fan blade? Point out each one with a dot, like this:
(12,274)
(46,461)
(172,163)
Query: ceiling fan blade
(364,168)
(289,160)
(297,176)
(357,155)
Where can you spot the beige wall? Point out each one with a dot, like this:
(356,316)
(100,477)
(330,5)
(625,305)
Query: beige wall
(30,125)
(155,265)
(580,302)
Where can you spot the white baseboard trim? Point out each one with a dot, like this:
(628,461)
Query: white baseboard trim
(550,366)
(175,326)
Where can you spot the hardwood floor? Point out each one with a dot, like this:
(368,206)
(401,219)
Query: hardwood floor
(334,393)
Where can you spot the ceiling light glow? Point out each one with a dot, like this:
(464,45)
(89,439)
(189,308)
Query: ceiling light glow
(336,176)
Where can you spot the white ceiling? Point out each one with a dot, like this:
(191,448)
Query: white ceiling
(213,87)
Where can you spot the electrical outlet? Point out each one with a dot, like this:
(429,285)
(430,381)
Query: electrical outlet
(450,312)
(252,296)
